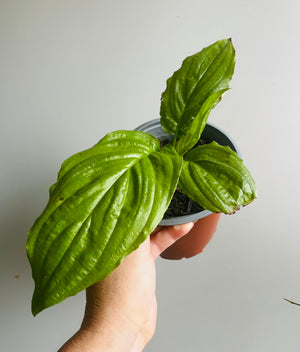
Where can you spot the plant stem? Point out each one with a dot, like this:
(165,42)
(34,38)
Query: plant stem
(292,302)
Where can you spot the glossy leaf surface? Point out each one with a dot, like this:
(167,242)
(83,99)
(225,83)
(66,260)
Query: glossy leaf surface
(216,178)
(105,203)
(192,135)
(200,75)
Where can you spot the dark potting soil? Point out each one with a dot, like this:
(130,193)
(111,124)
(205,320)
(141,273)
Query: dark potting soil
(181,204)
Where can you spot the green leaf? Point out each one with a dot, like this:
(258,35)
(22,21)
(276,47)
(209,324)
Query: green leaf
(216,178)
(192,135)
(200,75)
(105,203)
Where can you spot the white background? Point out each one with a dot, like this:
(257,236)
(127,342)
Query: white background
(70,72)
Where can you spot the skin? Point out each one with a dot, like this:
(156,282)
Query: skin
(121,310)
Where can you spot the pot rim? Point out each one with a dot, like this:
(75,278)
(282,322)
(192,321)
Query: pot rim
(155,124)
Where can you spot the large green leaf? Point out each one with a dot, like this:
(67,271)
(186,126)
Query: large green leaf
(200,75)
(105,203)
(216,178)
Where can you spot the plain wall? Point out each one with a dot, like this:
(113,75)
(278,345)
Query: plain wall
(70,72)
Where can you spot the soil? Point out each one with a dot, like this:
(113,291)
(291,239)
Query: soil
(181,205)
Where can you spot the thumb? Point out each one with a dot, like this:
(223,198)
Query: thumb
(166,236)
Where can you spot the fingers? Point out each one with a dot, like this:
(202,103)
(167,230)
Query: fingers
(164,237)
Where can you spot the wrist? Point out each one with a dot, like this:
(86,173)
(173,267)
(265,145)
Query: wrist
(121,330)
(110,338)
(106,340)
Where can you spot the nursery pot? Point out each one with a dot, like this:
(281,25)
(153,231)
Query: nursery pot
(205,221)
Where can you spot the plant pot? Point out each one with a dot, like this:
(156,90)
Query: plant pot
(195,240)
(206,222)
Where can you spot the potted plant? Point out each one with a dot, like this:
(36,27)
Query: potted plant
(182,209)
(109,198)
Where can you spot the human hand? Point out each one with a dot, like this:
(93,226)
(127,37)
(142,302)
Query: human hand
(121,310)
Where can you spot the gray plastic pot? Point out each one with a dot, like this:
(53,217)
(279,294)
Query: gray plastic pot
(205,221)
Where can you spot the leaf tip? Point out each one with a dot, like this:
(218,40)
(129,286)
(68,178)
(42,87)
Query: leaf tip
(38,303)
(231,44)
(35,310)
